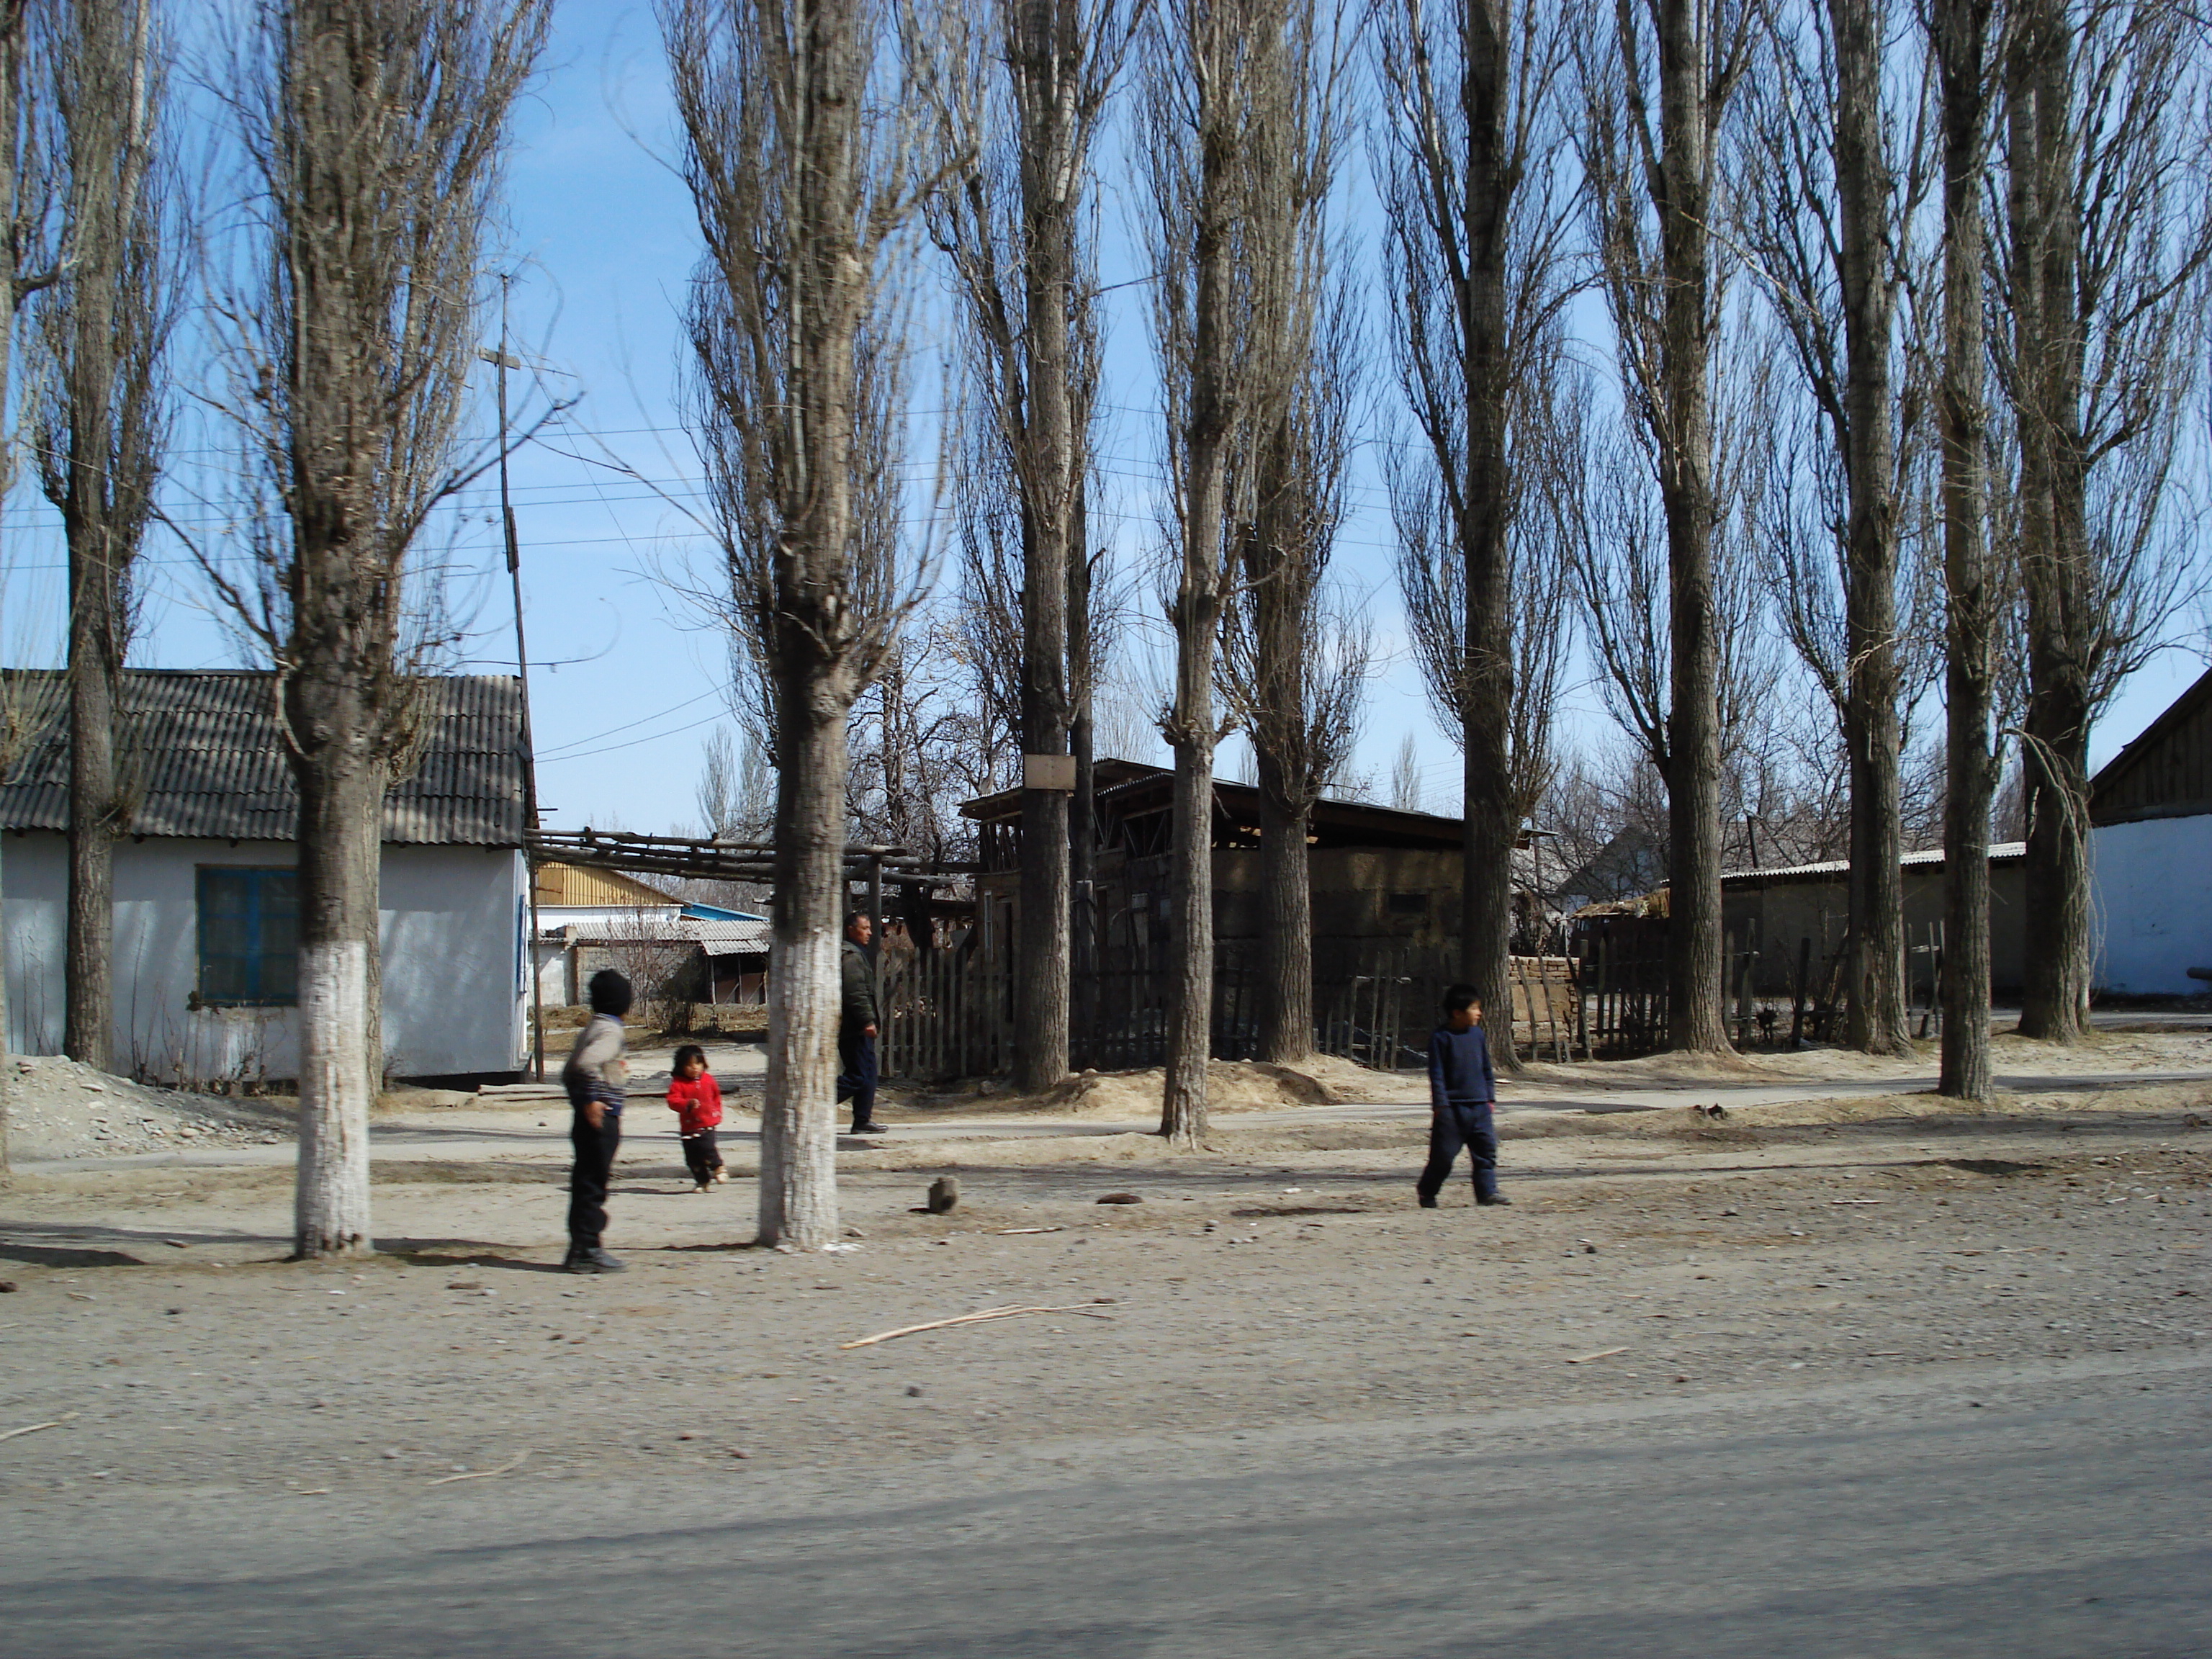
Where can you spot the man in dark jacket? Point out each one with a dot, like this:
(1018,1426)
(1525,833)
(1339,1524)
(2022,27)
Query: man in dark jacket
(856,1024)
(1462,1090)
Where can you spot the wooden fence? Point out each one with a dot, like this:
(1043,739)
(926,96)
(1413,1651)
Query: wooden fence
(945,1014)
(949,1014)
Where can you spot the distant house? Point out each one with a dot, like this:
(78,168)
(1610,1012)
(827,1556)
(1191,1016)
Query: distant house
(589,918)
(2150,811)
(206,899)
(1628,865)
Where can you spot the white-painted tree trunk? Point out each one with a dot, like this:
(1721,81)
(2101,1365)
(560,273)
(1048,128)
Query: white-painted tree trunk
(331,1201)
(799,1117)
(341,1041)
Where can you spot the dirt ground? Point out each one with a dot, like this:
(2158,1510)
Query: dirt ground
(1280,1277)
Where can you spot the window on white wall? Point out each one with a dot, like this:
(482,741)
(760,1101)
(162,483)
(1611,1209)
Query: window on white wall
(249,927)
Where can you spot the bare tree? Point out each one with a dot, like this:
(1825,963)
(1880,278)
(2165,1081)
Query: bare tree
(1405,792)
(1550,421)
(1196,143)
(1239,118)
(1651,184)
(26,700)
(103,406)
(1959,32)
(1481,213)
(1607,506)
(652,954)
(2108,227)
(374,131)
(1833,180)
(801,152)
(1293,670)
(722,808)
(1015,228)
(917,748)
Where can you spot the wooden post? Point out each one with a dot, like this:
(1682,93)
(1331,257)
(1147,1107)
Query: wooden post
(1604,954)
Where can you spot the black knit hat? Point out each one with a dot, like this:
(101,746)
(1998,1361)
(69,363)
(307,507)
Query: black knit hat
(610,992)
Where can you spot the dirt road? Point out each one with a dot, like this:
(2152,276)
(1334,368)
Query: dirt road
(1256,1360)
(1839,1375)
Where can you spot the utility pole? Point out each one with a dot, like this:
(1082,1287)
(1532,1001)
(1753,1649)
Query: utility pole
(502,361)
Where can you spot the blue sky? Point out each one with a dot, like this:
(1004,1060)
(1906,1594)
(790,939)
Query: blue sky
(627,682)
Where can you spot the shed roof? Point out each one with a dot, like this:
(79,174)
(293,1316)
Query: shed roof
(2001,851)
(1131,789)
(205,746)
(715,938)
(2166,772)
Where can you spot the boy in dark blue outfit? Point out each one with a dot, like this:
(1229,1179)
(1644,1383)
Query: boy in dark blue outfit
(1462,1092)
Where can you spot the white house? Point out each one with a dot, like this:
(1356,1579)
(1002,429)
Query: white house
(204,887)
(2151,854)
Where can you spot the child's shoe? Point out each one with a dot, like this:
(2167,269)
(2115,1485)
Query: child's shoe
(700,1188)
(719,1175)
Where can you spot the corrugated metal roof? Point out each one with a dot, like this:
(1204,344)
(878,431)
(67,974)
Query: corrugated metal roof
(212,767)
(2000,852)
(734,935)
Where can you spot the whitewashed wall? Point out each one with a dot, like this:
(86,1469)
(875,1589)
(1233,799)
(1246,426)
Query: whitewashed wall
(455,985)
(2154,905)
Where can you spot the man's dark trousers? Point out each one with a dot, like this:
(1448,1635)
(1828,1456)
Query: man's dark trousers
(587,1183)
(856,1081)
(1461,1123)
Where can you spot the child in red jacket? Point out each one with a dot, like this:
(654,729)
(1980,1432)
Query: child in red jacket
(697,1104)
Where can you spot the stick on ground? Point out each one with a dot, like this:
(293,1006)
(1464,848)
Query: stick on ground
(1083,1307)
(33,1428)
(482,1475)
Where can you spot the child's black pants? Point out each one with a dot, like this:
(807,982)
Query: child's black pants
(1461,1123)
(700,1156)
(588,1182)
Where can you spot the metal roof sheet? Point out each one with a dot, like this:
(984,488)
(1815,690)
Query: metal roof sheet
(718,937)
(2001,851)
(205,748)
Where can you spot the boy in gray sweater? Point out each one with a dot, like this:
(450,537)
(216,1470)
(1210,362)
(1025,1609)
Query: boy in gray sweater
(594,1076)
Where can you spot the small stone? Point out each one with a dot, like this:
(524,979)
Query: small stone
(1122,1198)
(6,1285)
(913,1390)
(944,1195)
(735,1452)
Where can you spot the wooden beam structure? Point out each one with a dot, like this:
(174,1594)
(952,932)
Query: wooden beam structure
(703,859)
